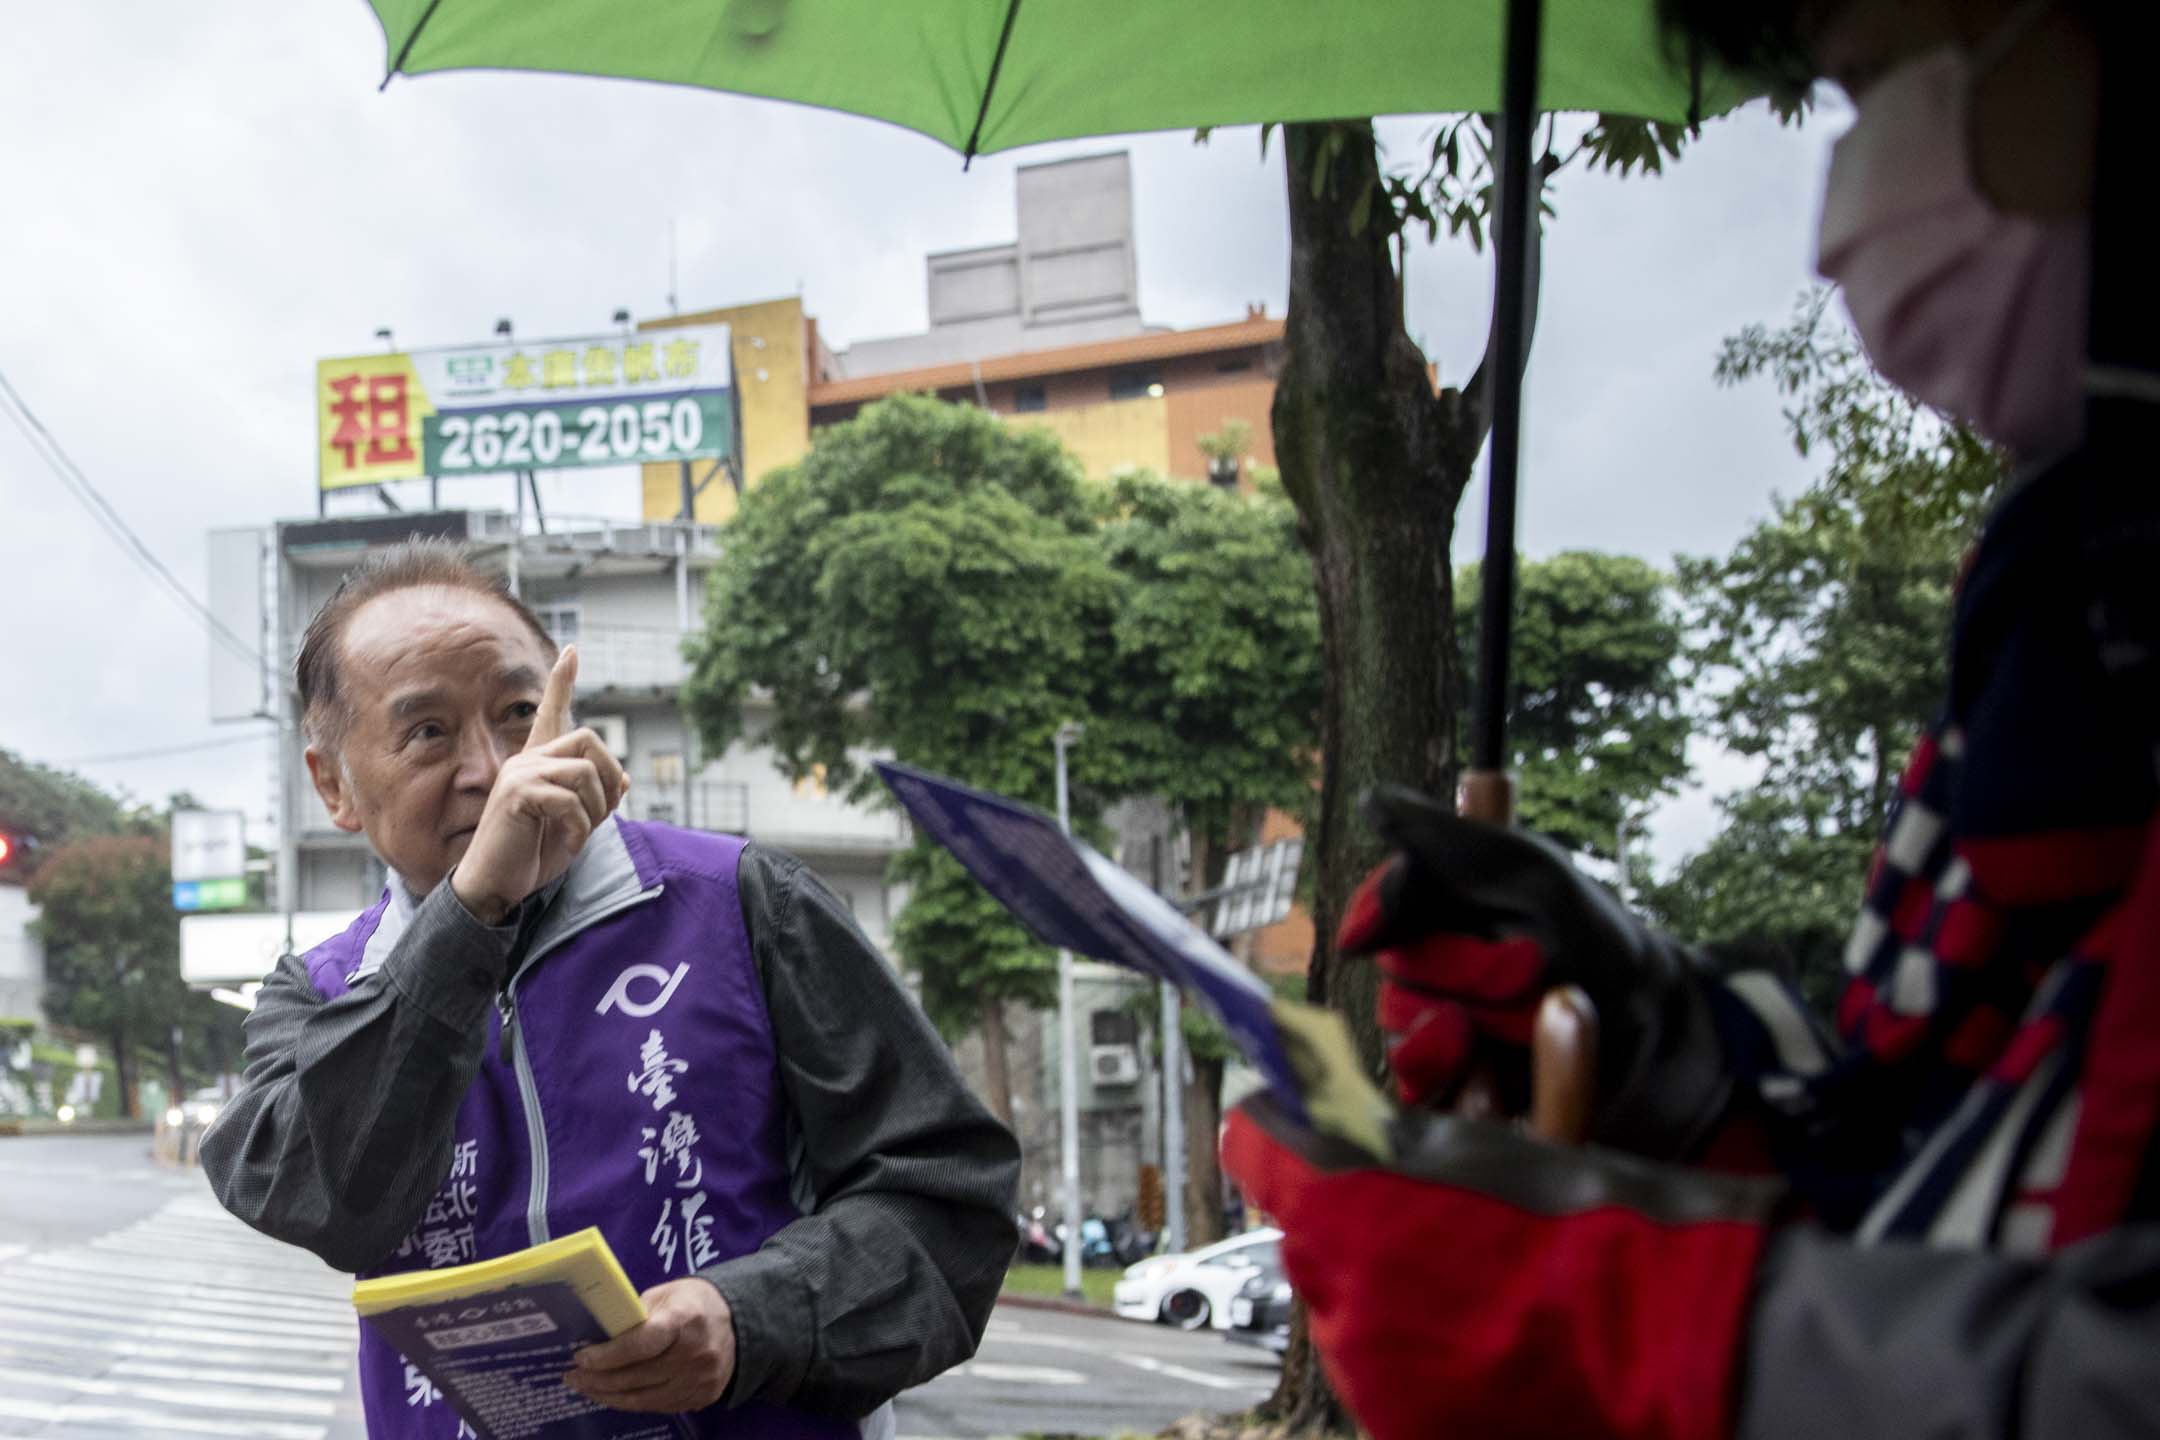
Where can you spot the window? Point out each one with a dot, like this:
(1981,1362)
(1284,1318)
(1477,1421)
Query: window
(1134,383)
(1114,1027)
(812,785)
(1232,367)
(1029,398)
(667,767)
(561,619)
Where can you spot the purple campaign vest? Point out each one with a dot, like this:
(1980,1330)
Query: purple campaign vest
(640,1094)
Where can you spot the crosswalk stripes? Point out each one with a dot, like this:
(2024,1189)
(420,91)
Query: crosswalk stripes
(184,1324)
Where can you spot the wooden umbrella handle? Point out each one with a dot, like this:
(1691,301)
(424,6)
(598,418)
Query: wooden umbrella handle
(1563,1066)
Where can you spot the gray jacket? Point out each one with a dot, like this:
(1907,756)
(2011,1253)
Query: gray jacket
(894,1162)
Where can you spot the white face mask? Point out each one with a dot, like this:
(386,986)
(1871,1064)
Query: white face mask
(1978,313)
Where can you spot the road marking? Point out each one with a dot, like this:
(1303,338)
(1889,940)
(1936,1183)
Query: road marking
(1196,1377)
(1022,1374)
(1139,1362)
(205,1396)
(71,1412)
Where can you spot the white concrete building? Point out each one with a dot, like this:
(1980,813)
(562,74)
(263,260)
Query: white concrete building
(22,960)
(627,593)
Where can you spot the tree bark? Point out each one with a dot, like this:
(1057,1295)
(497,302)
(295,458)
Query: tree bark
(997,1074)
(1375,461)
(1203,1169)
(123,1072)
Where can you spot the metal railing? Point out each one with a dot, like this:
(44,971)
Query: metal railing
(627,657)
(594,535)
(714,804)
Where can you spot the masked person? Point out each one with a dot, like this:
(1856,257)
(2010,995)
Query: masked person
(556,1018)
(1938,1219)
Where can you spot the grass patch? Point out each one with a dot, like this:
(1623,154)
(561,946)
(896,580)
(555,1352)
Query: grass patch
(1050,1280)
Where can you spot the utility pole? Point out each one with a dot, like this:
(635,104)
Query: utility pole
(1068,1055)
(1173,1098)
(1626,827)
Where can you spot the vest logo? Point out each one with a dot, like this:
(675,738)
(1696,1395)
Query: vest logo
(618,995)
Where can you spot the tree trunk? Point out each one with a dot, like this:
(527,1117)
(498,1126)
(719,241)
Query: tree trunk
(1203,1170)
(123,1072)
(1375,462)
(177,1088)
(997,1076)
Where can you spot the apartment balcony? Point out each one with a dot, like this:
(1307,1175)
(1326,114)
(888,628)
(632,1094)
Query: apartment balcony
(625,657)
(712,804)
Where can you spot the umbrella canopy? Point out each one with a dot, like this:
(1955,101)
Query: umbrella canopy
(988,75)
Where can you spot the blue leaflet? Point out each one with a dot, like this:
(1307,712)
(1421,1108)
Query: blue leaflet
(1072,897)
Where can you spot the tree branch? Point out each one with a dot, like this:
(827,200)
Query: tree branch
(1477,390)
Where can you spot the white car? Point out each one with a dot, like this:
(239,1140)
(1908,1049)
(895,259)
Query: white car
(1193,1291)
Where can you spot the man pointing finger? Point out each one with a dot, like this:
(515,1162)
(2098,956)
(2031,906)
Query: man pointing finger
(557,1018)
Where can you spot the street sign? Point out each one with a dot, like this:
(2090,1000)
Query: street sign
(209,894)
(622,399)
(208,845)
(1258,888)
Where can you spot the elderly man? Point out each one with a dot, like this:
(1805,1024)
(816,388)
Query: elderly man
(556,1018)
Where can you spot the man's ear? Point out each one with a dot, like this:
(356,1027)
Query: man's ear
(335,789)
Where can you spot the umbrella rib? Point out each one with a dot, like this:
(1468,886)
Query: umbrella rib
(997,63)
(405,51)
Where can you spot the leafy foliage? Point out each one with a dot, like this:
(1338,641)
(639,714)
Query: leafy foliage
(930,583)
(1823,639)
(1594,719)
(112,949)
(1216,688)
(56,807)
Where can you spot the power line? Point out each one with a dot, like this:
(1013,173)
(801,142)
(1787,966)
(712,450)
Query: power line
(115,758)
(60,463)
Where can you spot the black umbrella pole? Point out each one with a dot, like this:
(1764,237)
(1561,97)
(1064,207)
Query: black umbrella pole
(1487,792)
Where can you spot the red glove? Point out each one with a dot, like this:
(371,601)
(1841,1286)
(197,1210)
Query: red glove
(1491,1285)
(1472,924)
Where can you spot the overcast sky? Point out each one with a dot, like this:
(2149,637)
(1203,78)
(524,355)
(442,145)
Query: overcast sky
(198,202)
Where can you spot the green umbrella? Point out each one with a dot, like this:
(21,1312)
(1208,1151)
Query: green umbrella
(988,75)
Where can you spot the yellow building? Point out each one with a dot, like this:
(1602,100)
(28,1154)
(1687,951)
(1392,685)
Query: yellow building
(772,341)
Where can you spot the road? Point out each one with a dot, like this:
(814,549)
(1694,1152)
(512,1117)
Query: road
(132,1307)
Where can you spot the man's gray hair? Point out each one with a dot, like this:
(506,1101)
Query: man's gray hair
(325,714)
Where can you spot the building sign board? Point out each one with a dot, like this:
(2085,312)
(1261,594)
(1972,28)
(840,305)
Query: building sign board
(623,399)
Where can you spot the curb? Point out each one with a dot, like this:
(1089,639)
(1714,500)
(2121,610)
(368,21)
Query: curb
(1058,1304)
(41,1126)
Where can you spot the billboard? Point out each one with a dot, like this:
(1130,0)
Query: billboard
(208,845)
(234,949)
(540,405)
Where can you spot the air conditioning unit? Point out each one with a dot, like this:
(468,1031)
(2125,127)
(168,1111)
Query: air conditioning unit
(614,732)
(1113,1065)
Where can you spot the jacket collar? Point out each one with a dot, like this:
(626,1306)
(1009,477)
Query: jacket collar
(603,879)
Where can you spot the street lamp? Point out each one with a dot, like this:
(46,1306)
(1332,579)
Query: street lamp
(1068,1052)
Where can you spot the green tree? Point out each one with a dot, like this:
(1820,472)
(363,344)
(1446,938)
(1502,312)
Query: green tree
(929,583)
(1594,718)
(1376,461)
(1823,640)
(1217,696)
(57,807)
(112,951)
